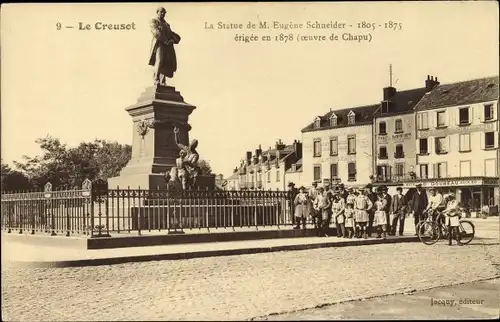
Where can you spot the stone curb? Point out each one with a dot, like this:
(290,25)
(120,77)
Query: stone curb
(202,254)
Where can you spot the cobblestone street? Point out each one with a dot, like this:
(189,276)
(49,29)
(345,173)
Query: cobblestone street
(240,287)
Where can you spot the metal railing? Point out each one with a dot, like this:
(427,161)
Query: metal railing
(98,211)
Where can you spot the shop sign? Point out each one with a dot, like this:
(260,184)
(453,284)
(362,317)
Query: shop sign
(445,183)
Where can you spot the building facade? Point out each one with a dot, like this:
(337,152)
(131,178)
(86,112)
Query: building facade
(394,125)
(268,170)
(338,147)
(457,140)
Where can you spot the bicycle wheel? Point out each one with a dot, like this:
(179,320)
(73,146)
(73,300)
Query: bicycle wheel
(467,231)
(428,233)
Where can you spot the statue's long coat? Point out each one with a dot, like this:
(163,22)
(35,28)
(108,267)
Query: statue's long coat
(163,56)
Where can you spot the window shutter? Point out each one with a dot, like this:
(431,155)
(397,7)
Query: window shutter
(471,115)
(483,114)
(435,118)
(445,169)
(495,136)
(434,170)
(457,116)
(448,143)
(482,139)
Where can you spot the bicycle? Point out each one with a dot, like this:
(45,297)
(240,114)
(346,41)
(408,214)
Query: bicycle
(430,231)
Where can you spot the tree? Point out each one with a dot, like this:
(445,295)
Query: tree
(205,167)
(69,167)
(13,180)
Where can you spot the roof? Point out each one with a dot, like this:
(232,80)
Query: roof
(364,115)
(404,101)
(233,176)
(460,93)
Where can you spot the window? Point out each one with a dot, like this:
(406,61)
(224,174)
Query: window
(269,176)
(441,145)
(382,172)
(333,120)
(398,126)
(277,175)
(351,144)
(424,147)
(333,171)
(399,154)
(489,140)
(464,168)
(423,121)
(424,171)
(440,170)
(382,128)
(294,167)
(334,146)
(400,169)
(317,173)
(317,148)
(463,115)
(488,112)
(490,169)
(464,145)
(382,154)
(441,119)
(351,171)
(351,118)
(317,123)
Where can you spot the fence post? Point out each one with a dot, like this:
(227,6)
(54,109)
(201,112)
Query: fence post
(99,196)
(47,194)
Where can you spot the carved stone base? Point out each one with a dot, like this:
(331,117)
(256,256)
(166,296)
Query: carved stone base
(157,111)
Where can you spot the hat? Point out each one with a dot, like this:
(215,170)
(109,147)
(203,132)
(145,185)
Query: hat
(314,183)
(341,185)
(350,189)
(291,184)
(418,185)
(368,186)
(383,188)
(432,189)
(399,188)
(302,188)
(451,195)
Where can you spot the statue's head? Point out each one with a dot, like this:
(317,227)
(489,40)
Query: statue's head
(182,153)
(161,12)
(194,144)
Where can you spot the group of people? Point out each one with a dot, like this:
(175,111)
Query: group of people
(354,212)
(357,213)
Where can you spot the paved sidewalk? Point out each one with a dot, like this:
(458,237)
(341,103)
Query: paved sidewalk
(44,256)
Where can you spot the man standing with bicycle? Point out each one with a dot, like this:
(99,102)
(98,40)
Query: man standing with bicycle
(419,203)
(436,204)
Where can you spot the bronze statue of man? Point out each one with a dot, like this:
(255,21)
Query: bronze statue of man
(190,161)
(162,48)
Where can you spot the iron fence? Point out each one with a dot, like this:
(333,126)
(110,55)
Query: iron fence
(98,211)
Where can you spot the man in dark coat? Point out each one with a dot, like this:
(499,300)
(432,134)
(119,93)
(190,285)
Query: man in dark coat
(162,55)
(398,209)
(418,204)
(387,208)
(371,213)
(291,193)
(343,192)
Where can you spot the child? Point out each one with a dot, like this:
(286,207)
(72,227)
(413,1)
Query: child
(380,218)
(349,220)
(338,207)
(363,204)
(452,219)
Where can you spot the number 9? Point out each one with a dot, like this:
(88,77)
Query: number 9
(58,25)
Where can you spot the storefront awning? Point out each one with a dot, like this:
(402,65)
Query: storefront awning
(453,182)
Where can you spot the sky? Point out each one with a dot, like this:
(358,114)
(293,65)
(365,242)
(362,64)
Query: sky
(75,84)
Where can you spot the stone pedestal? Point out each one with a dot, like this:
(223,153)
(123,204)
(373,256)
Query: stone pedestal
(154,151)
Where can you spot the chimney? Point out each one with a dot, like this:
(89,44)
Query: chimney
(430,83)
(279,145)
(249,157)
(297,147)
(389,92)
(235,170)
(258,152)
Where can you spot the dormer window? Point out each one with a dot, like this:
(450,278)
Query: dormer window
(294,167)
(333,120)
(317,122)
(351,118)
